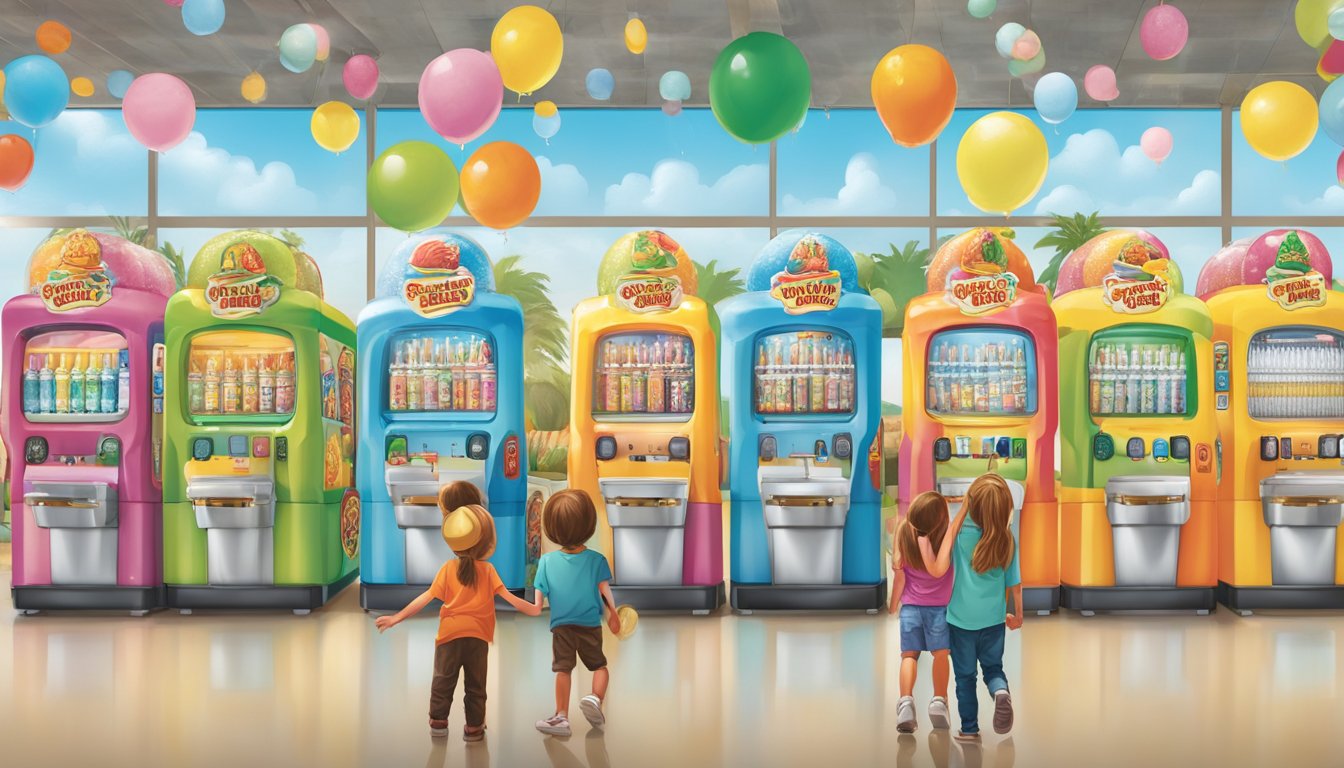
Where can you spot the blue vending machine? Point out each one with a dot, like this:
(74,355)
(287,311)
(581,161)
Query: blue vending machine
(801,370)
(441,371)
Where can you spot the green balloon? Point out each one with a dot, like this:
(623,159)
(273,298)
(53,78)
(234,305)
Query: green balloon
(413,186)
(760,87)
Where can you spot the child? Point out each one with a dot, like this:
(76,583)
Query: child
(577,582)
(921,587)
(985,558)
(459,493)
(467,589)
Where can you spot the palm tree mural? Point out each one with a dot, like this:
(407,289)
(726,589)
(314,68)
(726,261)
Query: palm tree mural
(714,285)
(894,278)
(1069,233)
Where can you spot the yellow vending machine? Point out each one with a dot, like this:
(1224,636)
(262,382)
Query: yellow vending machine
(1278,368)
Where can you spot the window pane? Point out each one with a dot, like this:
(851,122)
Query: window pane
(843,163)
(260,162)
(86,164)
(1305,185)
(17,245)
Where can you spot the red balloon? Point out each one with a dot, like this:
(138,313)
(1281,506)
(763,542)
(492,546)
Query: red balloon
(500,185)
(16,162)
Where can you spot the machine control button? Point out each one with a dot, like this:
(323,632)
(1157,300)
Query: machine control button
(606,448)
(1003,447)
(109,451)
(261,446)
(202,448)
(238,445)
(1103,446)
(1221,401)
(1222,381)
(1328,447)
(1135,449)
(842,445)
(1160,450)
(1019,448)
(35,450)
(767,448)
(282,449)
(1269,448)
(942,449)
(478,447)
(679,449)
(1285,447)
(1180,448)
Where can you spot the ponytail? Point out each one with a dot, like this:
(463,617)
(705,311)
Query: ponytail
(466,570)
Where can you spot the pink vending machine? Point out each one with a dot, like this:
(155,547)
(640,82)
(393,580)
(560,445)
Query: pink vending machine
(81,418)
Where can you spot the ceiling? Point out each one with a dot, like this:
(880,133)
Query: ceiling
(1234,45)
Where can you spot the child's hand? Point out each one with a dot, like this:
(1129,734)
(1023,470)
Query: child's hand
(384,623)
(1014,621)
(614,623)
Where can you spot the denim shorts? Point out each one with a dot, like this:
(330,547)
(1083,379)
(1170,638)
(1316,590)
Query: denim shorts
(924,628)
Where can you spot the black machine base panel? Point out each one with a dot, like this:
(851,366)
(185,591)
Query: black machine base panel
(394,597)
(819,597)
(1037,599)
(1257,598)
(1137,598)
(59,598)
(276,597)
(695,599)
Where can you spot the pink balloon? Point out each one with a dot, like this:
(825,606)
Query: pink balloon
(1339,169)
(173,3)
(1223,269)
(323,41)
(1163,32)
(1156,144)
(159,111)
(672,107)
(1260,255)
(1027,46)
(1099,82)
(360,76)
(461,94)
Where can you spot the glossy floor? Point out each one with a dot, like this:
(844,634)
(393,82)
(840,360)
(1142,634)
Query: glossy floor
(784,690)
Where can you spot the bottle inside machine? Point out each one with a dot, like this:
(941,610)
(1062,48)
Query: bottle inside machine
(648,373)
(984,371)
(444,370)
(1295,373)
(1137,377)
(804,372)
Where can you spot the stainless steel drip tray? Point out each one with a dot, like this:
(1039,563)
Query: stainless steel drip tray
(1303,499)
(242,501)
(805,511)
(72,505)
(414,490)
(645,502)
(1148,500)
(955,488)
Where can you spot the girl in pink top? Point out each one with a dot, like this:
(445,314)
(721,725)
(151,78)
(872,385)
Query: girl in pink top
(921,564)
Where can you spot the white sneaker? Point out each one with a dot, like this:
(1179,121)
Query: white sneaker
(938,714)
(592,709)
(555,725)
(905,715)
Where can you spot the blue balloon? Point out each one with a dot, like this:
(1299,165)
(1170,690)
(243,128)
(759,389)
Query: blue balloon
(118,81)
(1055,97)
(1335,23)
(298,48)
(600,84)
(981,9)
(471,255)
(36,90)
(546,127)
(203,17)
(674,86)
(774,257)
(1332,111)
(1006,36)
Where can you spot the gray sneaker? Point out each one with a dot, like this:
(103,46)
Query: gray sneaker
(592,709)
(555,725)
(1003,712)
(905,715)
(938,714)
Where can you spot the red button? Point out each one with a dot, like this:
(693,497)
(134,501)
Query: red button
(261,447)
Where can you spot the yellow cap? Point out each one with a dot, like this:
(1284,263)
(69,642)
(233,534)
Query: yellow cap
(461,529)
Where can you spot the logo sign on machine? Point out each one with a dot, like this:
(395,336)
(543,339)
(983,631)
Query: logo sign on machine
(807,284)
(80,280)
(437,283)
(241,287)
(512,460)
(651,285)
(983,283)
(1291,282)
(1139,283)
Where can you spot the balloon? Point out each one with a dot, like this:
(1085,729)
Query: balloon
(118,81)
(674,86)
(546,127)
(915,91)
(413,186)
(323,41)
(500,185)
(1019,68)
(599,83)
(1312,18)
(1006,36)
(1156,143)
(203,17)
(360,76)
(254,88)
(760,87)
(1055,97)
(173,3)
(461,93)
(81,86)
(1163,32)
(335,126)
(527,46)
(1099,82)
(1335,23)
(1027,46)
(1339,169)
(298,47)
(159,111)
(1331,111)
(53,37)
(36,90)
(672,107)
(1279,119)
(981,9)
(1001,161)
(16,162)
(545,109)
(636,36)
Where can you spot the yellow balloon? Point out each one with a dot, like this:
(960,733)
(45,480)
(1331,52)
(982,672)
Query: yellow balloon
(335,126)
(545,109)
(636,36)
(527,46)
(4,114)
(81,86)
(1001,161)
(1313,20)
(254,88)
(1279,119)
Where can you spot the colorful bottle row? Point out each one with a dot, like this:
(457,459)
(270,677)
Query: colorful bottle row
(985,378)
(1137,378)
(645,373)
(98,381)
(232,381)
(1299,379)
(455,373)
(804,373)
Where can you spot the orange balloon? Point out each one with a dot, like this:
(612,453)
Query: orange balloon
(16,162)
(53,37)
(500,185)
(915,91)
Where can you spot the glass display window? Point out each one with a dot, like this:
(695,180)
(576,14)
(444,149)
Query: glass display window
(804,372)
(1136,373)
(644,376)
(76,375)
(247,374)
(981,372)
(1295,373)
(442,370)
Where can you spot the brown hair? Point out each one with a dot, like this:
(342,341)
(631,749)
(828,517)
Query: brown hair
(569,518)
(990,506)
(485,547)
(926,516)
(459,493)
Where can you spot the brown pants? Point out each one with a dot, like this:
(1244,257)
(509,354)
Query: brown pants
(471,656)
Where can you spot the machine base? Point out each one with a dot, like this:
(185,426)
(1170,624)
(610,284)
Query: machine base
(1247,599)
(60,598)
(699,600)
(394,597)
(1091,599)
(273,597)
(803,597)
(1040,599)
